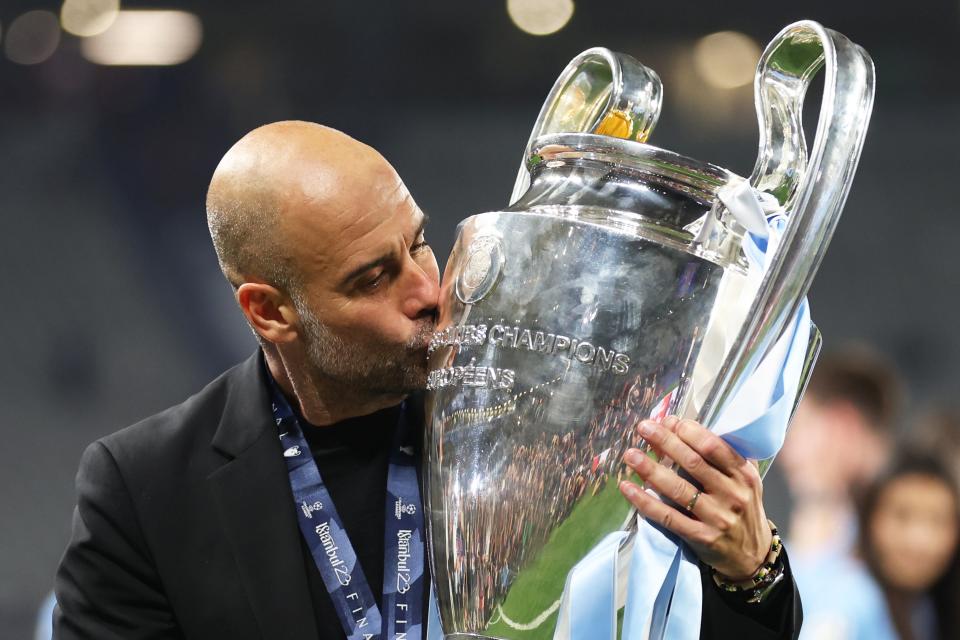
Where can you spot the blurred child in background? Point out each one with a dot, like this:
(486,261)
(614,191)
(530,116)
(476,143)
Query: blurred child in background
(909,530)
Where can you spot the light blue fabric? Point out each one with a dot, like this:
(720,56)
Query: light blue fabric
(661,606)
(763,437)
(44,628)
(434,630)
(593,589)
(653,557)
(841,601)
(687,597)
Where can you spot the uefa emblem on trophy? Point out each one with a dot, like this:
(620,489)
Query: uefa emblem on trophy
(584,307)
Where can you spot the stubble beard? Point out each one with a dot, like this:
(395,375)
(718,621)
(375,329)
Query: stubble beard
(366,366)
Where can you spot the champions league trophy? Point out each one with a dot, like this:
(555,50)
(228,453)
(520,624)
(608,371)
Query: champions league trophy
(585,306)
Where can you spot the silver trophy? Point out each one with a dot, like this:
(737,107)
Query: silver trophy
(581,309)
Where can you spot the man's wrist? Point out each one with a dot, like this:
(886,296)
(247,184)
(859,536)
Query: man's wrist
(758,586)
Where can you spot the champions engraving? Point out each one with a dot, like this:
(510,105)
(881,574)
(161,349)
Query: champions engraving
(514,337)
(403,558)
(518,338)
(472,376)
(467,335)
(330,548)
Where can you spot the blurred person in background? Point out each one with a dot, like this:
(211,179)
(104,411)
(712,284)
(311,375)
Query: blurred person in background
(839,439)
(909,529)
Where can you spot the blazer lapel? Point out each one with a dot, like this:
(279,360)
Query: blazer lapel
(255,506)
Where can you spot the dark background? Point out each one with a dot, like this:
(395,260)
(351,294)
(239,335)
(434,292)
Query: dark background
(114,305)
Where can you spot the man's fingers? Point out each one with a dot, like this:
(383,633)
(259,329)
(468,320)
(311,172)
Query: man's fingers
(658,512)
(671,445)
(670,422)
(709,445)
(666,482)
(672,487)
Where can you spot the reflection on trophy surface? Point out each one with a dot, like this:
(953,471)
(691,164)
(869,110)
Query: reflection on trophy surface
(566,319)
(562,332)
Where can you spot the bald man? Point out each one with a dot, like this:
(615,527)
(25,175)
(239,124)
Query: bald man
(263,506)
(185,524)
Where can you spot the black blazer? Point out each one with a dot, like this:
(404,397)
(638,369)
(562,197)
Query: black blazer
(185,527)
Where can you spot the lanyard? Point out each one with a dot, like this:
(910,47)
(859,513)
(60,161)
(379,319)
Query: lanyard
(323,530)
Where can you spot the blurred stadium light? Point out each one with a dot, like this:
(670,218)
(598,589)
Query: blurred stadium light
(540,17)
(146,38)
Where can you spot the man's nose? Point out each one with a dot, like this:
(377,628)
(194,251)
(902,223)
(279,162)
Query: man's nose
(422,290)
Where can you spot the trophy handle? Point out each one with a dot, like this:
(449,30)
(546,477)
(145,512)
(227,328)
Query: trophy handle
(602,92)
(814,344)
(813,192)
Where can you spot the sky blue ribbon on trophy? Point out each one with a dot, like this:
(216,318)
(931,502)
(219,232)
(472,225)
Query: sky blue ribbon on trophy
(664,596)
(434,630)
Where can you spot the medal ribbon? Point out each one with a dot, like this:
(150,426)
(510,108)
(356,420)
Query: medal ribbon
(330,546)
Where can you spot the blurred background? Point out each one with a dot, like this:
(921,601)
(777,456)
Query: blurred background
(113,116)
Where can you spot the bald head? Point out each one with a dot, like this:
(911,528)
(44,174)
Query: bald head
(326,251)
(273,181)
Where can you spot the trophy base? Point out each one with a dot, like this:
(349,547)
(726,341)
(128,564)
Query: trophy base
(469,636)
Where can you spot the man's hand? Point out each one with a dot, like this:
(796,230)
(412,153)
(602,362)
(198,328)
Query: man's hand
(726,527)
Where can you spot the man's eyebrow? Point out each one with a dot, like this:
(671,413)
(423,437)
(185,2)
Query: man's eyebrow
(384,259)
(376,262)
(424,219)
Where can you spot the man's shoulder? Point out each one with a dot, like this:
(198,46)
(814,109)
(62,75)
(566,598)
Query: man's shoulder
(178,433)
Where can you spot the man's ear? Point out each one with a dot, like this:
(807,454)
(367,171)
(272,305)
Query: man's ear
(269,311)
